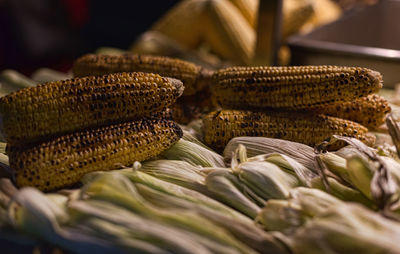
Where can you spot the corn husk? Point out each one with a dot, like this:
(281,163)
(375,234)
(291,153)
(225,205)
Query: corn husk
(118,190)
(132,232)
(360,174)
(281,215)
(226,186)
(188,136)
(194,154)
(348,228)
(341,191)
(301,153)
(266,179)
(35,214)
(302,205)
(177,172)
(362,162)
(313,202)
(44,75)
(178,191)
(336,164)
(243,230)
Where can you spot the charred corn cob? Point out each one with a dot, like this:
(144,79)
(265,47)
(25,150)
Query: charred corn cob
(369,111)
(31,114)
(193,77)
(221,126)
(292,88)
(62,161)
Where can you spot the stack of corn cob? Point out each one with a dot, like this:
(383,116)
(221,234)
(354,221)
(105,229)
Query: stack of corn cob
(195,97)
(304,104)
(58,131)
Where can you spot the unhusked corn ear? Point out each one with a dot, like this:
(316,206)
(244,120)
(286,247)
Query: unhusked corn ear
(222,126)
(295,14)
(62,161)
(31,114)
(181,23)
(292,87)
(249,10)
(194,77)
(369,111)
(228,33)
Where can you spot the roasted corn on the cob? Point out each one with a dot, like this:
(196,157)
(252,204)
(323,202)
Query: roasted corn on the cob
(194,77)
(62,161)
(293,87)
(222,126)
(369,111)
(31,114)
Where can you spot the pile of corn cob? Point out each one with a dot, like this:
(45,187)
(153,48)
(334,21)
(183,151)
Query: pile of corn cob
(58,131)
(304,104)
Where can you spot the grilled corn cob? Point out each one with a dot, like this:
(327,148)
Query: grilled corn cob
(32,114)
(193,77)
(221,126)
(62,161)
(369,111)
(292,88)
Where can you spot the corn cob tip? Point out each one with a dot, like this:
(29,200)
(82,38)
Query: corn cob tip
(178,85)
(376,79)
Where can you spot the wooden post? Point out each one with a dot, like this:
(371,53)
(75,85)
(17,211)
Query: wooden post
(268,32)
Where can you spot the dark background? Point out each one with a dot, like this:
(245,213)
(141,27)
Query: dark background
(52,33)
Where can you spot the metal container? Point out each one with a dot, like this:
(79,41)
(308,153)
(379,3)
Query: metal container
(367,37)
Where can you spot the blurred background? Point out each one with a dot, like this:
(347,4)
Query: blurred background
(52,33)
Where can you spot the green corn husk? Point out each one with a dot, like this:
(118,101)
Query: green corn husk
(347,228)
(117,189)
(188,136)
(302,205)
(266,179)
(301,153)
(179,192)
(224,184)
(243,230)
(194,154)
(177,172)
(360,174)
(313,202)
(285,163)
(35,214)
(44,75)
(342,192)
(336,164)
(282,215)
(195,128)
(12,80)
(131,231)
